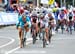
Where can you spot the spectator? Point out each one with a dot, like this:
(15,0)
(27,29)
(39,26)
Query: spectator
(10,9)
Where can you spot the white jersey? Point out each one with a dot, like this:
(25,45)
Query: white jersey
(44,21)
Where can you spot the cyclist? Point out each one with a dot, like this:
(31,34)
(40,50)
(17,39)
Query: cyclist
(61,19)
(51,21)
(44,22)
(27,13)
(22,23)
(34,21)
(70,21)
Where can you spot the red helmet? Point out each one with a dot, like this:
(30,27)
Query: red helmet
(21,10)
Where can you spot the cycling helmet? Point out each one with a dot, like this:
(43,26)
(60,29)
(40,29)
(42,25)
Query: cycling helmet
(21,10)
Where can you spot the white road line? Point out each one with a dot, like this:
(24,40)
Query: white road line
(61,38)
(32,51)
(12,50)
(18,47)
(12,40)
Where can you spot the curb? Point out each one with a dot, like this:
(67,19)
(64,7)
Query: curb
(2,26)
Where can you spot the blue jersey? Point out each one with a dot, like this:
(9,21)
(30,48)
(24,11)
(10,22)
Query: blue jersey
(61,16)
(28,19)
(20,21)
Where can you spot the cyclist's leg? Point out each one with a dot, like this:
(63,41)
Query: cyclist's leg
(26,26)
(46,30)
(20,35)
(33,29)
(36,27)
(29,23)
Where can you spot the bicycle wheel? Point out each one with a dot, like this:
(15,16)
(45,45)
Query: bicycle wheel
(23,42)
(40,34)
(62,31)
(71,30)
(50,34)
(34,39)
(24,39)
(44,41)
(62,28)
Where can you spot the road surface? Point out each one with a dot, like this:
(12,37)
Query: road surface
(60,44)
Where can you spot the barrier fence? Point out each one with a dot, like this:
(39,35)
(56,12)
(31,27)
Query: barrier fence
(8,18)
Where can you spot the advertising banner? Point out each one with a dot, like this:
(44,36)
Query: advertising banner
(8,18)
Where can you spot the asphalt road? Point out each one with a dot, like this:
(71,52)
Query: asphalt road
(60,44)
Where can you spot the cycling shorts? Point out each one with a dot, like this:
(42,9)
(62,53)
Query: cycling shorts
(45,24)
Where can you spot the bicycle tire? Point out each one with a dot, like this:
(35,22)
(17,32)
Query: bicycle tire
(70,30)
(62,31)
(23,42)
(33,34)
(34,39)
(62,28)
(44,41)
(49,36)
(24,38)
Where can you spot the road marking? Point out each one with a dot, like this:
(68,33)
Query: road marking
(12,40)
(61,38)
(12,50)
(32,51)
(27,43)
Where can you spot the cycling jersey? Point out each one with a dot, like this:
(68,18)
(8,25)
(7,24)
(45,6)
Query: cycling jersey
(61,16)
(34,16)
(70,16)
(44,21)
(20,23)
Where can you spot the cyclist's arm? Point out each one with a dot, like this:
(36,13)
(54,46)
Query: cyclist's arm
(18,21)
(59,17)
(28,22)
(65,16)
(17,24)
